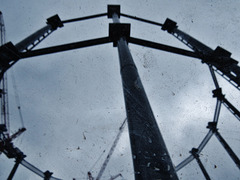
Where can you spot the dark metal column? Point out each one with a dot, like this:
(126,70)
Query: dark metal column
(150,156)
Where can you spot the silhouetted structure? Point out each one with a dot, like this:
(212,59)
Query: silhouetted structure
(150,156)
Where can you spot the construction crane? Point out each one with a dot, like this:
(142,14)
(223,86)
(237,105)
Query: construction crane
(5,124)
(2,29)
(104,165)
(3,85)
(6,145)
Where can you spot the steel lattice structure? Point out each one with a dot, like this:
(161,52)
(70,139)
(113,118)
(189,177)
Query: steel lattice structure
(149,153)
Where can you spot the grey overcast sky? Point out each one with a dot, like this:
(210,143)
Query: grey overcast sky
(72,102)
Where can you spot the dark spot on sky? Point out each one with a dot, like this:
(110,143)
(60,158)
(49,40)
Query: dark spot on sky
(84,137)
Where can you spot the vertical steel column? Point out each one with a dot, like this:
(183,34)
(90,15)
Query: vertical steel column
(150,156)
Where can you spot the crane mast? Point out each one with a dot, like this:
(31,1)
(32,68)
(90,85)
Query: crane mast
(2,29)
(8,54)
(3,84)
(111,151)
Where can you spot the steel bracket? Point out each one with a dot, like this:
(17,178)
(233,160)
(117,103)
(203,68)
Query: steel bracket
(118,30)
(55,22)
(113,9)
